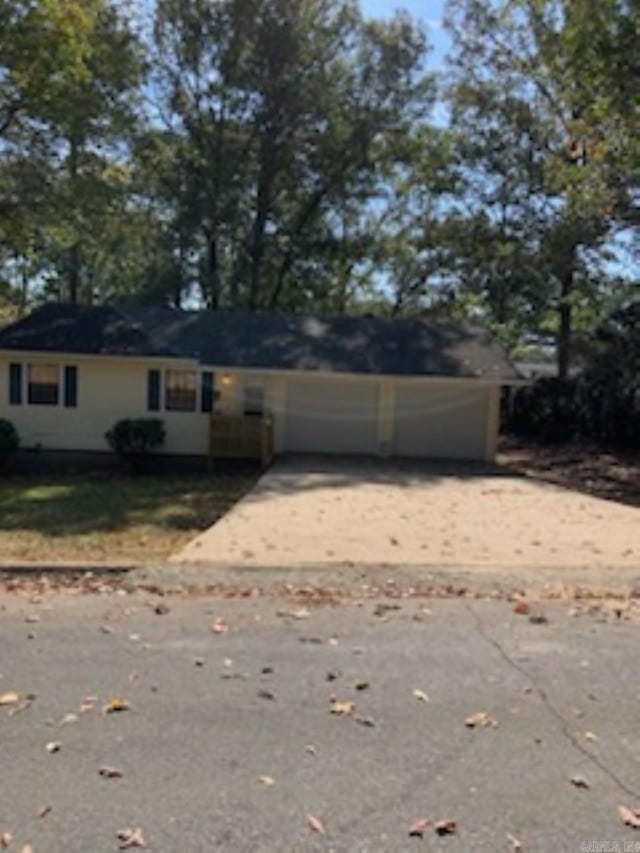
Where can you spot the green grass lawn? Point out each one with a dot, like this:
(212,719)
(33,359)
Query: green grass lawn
(110,517)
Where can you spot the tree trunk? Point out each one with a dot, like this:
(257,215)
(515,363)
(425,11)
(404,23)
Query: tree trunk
(213,275)
(74,251)
(565,326)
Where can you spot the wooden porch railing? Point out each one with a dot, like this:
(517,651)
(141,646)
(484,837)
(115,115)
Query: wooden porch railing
(241,437)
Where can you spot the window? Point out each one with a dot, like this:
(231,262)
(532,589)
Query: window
(180,391)
(253,400)
(43,384)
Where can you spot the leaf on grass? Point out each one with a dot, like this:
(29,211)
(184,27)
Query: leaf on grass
(219,627)
(417,828)
(110,772)
(341,708)
(479,720)
(43,811)
(421,696)
(516,846)
(445,827)
(267,781)
(9,698)
(521,608)
(579,781)
(630,817)
(131,838)
(115,705)
(316,824)
(53,746)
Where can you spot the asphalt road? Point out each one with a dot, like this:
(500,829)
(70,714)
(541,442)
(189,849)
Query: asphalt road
(210,712)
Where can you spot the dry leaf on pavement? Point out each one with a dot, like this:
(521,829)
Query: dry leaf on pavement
(479,720)
(43,811)
(161,609)
(417,828)
(316,824)
(521,608)
(369,722)
(219,627)
(590,736)
(115,705)
(27,848)
(341,708)
(131,838)
(579,781)
(421,696)
(267,781)
(445,827)
(361,685)
(9,698)
(110,773)
(5,840)
(630,817)
(516,846)
(53,746)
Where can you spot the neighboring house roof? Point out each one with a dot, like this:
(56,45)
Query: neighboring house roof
(270,340)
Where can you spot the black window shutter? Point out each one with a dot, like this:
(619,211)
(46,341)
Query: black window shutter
(206,397)
(153,391)
(15,384)
(70,386)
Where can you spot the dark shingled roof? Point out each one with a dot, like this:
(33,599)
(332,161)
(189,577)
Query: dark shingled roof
(404,347)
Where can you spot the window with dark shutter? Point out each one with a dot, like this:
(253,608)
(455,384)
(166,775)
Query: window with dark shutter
(153,391)
(71,386)
(15,384)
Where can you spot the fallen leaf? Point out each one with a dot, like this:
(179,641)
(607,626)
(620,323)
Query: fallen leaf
(9,698)
(310,748)
(131,838)
(68,719)
(53,746)
(479,720)
(365,721)
(382,608)
(219,627)
(514,842)
(341,708)
(266,694)
(300,613)
(43,811)
(115,705)
(445,827)
(417,828)
(521,608)
(161,609)
(27,848)
(421,696)
(361,685)
(333,674)
(5,839)
(579,781)
(316,824)
(110,772)
(590,736)
(268,781)
(538,619)
(630,817)
(32,618)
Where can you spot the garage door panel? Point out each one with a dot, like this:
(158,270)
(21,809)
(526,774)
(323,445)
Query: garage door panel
(331,417)
(440,422)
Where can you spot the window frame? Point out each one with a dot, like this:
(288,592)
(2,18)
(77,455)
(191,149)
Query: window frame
(59,390)
(166,391)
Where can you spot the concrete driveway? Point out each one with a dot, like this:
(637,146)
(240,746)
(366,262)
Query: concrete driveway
(312,511)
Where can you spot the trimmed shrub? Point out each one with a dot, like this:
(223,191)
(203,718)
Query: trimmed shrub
(133,439)
(9,440)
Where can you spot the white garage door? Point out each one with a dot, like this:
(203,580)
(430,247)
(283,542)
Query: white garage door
(440,421)
(331,417)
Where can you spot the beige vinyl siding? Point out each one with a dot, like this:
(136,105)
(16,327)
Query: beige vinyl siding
(108,389)
(442,421)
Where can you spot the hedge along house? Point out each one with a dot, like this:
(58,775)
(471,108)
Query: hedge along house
(349,385)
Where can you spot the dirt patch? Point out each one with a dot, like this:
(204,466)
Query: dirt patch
(612,475)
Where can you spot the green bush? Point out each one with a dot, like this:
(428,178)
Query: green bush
(133,439)
(9,439)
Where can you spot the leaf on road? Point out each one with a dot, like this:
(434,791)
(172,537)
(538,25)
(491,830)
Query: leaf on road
(538,619)
(300,613)
(516,846)
(9,698)
(382,608)
(521,608)
(479,720)
(53,746)
(316,824)
(445,827)
(219,627)
(310,748)
(5,840)
(630,817)
(131,838)
(579,781)
(361,685)
(110,773)
(421,696)
(27,848)
(267,781)
(590,736)
(43,811)
(266,694)
(369,722)
(161,609)
(68,719)
(332,674)
(340,707)
(115,705)
(417,828)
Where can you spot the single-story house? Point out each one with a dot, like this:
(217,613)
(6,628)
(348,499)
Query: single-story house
(342,384)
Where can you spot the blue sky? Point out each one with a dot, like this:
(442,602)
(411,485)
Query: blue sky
(429,12)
